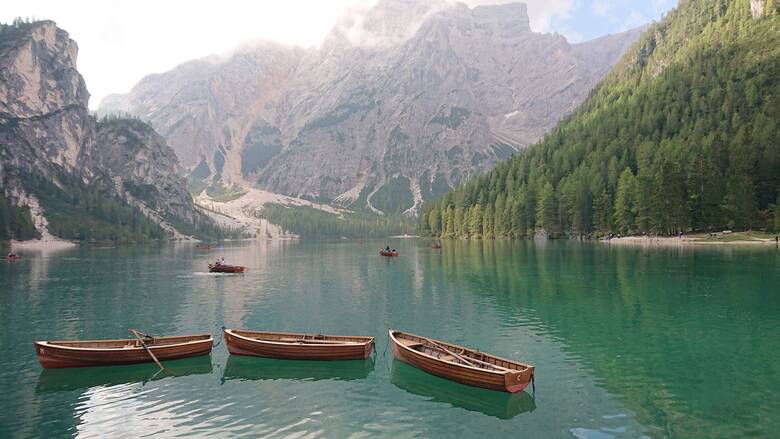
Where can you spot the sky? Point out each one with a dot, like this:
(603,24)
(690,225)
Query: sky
(121,41)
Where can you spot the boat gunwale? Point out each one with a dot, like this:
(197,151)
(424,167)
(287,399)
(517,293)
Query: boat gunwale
(495,372)
(368,339)
(53,343)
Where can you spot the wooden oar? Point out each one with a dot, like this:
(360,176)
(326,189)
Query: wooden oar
(148,351)
(492,365)
(467,361)
(451,353)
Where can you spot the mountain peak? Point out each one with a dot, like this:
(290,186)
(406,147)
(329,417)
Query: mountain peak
(392,22)
(386,23)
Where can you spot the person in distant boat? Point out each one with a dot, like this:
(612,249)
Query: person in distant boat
(11,255)
(387,249)
(393,250)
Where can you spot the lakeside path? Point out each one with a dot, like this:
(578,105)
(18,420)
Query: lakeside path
(737,238)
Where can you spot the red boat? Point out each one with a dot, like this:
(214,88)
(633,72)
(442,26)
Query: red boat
(56,354)
(214,268)
(389,254)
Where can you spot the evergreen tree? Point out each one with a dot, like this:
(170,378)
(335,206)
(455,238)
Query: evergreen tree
(547,210)
(624,219)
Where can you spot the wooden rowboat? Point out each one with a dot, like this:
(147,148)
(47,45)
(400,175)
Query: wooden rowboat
(55,354)
(390,254)
(213,268)
(461,364)
(297,346)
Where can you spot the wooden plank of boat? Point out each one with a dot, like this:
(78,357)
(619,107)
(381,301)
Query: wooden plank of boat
(461,364)
(75,353)
(298,346)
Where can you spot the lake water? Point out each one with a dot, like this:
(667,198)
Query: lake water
(627,342)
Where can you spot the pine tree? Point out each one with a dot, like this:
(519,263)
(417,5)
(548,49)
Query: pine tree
(546,210)
(624,203)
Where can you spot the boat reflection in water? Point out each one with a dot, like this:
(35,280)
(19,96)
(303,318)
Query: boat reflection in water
(54,380)
(490,402)
(257,368)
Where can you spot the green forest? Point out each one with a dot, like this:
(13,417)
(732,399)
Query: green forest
(681,136)
(308,222)
(15,222)
(76,212)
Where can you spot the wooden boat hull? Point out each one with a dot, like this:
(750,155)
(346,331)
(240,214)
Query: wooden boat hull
(240,342)
(52,354)
(509,381)
(226,268)
(388,254)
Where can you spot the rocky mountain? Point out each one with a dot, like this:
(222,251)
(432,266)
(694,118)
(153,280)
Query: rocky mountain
(114,179)
(401,102)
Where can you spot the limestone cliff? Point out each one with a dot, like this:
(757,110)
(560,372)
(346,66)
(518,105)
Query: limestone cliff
(49,142)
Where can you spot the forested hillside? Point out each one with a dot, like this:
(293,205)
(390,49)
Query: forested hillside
(682,135)
(308,222)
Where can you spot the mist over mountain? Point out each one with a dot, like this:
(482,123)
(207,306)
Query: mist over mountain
(400,103)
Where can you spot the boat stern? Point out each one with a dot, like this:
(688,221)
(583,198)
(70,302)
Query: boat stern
(517,381)
(368,349)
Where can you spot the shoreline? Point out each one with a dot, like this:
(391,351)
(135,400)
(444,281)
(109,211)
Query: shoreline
(41,245)
(685,240)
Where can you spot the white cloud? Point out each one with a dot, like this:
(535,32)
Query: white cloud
(120,41)
(600,7)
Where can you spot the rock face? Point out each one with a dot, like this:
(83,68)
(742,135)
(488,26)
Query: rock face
(46,130)
(400,103)
(143,167)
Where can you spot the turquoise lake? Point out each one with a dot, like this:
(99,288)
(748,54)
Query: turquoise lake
(627,341)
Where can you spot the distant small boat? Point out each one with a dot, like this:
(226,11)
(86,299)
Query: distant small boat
(298,346)
(55,354)
(389,254)
(214,268)
(203,246)
(460,364)
(13,257)
(436,246)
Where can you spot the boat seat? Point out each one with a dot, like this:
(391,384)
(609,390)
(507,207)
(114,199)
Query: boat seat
(410,343)
(446,358)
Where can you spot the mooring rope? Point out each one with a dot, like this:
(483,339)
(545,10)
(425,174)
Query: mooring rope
(221,337)
(386,344)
